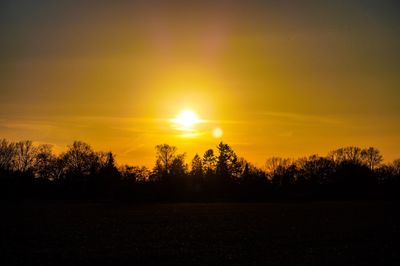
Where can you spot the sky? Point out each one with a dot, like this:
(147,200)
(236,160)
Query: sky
(276,78)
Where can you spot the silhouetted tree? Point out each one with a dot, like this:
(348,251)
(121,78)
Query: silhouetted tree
(228,165)
(80,160)
(25,156)
(27,169)
(170,168)
(275,165)
(316,169)
(252,174)
(352,179)
(178,167)
(197,167)
(45,163)
(209,162)
(135,173)
(284,176)
(7,153)
(350,154)
(108,168)
(165,154)
(371,157)
(385,174)
(396,167)
(395,175)
(108,177)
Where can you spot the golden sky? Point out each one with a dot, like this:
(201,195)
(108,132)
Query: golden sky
(283,78)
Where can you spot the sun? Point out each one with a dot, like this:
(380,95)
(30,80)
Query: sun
(186,119)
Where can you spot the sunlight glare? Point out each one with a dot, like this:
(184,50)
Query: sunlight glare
(217,132)
(186,119)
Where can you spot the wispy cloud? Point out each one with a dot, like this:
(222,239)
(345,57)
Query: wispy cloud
(297,118)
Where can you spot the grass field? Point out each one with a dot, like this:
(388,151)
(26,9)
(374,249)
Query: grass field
(321,233)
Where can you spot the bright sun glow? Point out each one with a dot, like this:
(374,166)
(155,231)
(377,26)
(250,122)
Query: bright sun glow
(186,119)
(217,132)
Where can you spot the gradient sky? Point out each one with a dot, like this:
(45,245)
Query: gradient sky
(284,78)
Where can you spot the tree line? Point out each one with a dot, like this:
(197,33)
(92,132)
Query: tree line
(35,171)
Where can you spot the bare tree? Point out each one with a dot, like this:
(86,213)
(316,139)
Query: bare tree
(135,173)
(372,157)
(80,159)
(396,166)
(165,154)
(348,154)
(45,162)
(7,153)
(25,156)
(280,171)
(316,169)
(274,163)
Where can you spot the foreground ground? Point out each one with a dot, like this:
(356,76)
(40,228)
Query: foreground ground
(323,233)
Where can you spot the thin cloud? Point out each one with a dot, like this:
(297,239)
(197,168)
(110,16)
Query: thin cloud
(302,118)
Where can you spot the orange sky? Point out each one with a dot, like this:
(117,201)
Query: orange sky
(286,79)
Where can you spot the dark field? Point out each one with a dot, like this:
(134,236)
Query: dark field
(324,233)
